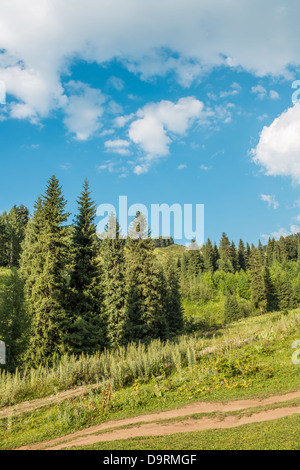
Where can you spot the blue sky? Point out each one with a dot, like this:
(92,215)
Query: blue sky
(161,115)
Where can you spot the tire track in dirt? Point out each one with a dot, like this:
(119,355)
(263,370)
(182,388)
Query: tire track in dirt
(186,424)
(33,405)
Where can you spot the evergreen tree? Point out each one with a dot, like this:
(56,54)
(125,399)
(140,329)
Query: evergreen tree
(145,318)
(14,320)
(258,293)
(17,220)
(3,240)
(209,257)
(173,305)
(270,252)
(270,291)
(241,256)
(247,256)
(113,262)
(225,262)
(261,252)
(43,265)
(285,292)
(232,311)
(216,256)
(234,260)
(87,324)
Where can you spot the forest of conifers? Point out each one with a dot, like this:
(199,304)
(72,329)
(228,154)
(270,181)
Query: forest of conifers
(64,289)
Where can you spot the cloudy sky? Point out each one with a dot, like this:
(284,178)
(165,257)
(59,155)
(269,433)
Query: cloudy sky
(164,101)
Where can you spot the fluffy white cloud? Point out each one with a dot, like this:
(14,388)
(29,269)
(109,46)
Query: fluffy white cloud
(271,200)
(200,36)
(83,110)
(156,125)
(260,91)
(278,150)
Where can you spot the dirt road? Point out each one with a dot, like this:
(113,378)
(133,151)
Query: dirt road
(153,424)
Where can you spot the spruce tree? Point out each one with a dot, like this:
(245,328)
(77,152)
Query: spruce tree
(270,291)
(43,265)
(234,260)
(208,257)
(17,220)
(270,252)
(285,292)
(3,240)
(173,305)
(232,311)
(87,322)
(145,316)
(113,262)
(241,257)
(258,293)
(14,320)
(226,260)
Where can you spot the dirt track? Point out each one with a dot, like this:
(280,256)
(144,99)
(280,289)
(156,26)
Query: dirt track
(150,425)
(32,405)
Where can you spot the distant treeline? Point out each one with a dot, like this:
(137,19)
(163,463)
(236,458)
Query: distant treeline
(254,279)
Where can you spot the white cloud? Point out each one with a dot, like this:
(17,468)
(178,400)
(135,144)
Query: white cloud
(260,37)
(181,167)
(116,83)
(205,168)
(119,146)
(235,90)
(271,200)
(283,232)
(157,123)
(278,150)
(274,95)
(83,110)
(121,121)
(260,91)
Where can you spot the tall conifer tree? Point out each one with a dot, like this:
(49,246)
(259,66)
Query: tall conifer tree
(43,265)
(87,328)
(113,262)
(144,303)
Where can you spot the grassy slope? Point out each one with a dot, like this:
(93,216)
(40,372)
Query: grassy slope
(281,434)
(261,368)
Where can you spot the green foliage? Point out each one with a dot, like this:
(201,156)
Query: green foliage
(113,265)
(232,311)
(86,330)
(12,230)
(43,266)
(14,321)
(145,314)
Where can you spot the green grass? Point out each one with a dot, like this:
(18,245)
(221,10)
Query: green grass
(249,359)
(280,434)
(173,251)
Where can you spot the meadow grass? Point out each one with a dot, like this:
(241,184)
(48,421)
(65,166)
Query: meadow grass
(125,365)
(249,359)
(280,434)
